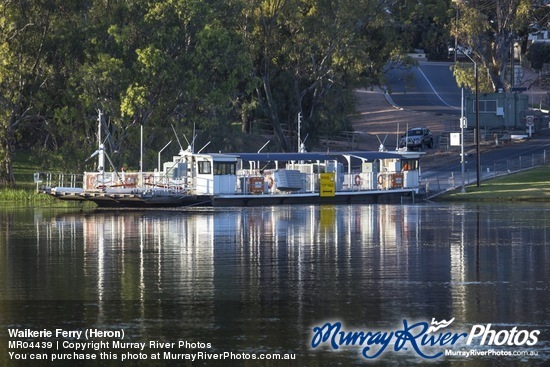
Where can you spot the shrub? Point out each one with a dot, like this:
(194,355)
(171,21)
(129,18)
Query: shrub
(538,54)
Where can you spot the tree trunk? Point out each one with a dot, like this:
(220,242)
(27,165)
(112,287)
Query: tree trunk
(246,119)
(6,171)
(273,115)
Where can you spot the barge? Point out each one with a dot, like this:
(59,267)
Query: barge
(246,179)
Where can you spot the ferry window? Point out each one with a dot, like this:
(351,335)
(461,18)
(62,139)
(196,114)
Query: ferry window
(409,164)
(204,168)
(224,168)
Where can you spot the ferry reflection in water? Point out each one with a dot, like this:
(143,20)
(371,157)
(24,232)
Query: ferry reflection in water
(258,279)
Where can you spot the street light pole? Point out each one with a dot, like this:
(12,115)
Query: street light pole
(478,158)
(462,126)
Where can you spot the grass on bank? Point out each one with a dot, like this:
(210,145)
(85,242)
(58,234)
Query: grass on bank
(529,185)
(24,192)
(25,188)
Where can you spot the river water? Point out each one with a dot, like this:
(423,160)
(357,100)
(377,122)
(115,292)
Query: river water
(245,283)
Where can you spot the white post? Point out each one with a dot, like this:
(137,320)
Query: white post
(99,117)
(299,131)
(141,157)
(160,151)
(101,147)
(462,125)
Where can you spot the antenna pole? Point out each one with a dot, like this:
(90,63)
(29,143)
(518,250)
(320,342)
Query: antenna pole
(101,146)
(178,139)
(141,150)
(99,117)
(263,146)
(299,131)
(160,151)
(397,140)
(141,183)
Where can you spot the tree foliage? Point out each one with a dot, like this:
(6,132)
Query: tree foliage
(423,25)
(202,67)
(539,54)
(39,49)
(307,55)
(489,28)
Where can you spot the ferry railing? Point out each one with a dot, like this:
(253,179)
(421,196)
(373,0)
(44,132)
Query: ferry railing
(58,179)
(440,181)
(359,181)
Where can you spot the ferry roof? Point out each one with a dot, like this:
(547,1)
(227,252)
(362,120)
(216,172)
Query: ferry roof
(371,156)
(270,157)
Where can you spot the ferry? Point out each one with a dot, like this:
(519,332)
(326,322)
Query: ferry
(242,179)
(246,179)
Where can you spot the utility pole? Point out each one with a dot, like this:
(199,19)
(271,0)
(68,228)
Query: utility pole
(478,158)
(462,126)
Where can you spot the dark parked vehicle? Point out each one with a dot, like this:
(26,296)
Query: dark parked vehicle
(417,138)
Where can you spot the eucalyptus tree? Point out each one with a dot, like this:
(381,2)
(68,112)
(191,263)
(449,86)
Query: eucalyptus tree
(489,29)
(540,15)
(39,47)
(538,53)
(180,62)
(307,56)
(422,25)
(14,67)
(153,64)
(184,68)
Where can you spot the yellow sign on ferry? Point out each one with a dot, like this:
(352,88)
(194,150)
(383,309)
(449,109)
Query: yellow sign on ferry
(327,185)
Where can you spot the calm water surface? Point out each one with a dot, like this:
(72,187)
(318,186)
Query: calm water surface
(258,280)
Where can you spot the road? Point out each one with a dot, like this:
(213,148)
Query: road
(428,87)
(431,87)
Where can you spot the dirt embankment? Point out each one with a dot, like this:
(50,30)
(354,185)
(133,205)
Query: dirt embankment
(378,121)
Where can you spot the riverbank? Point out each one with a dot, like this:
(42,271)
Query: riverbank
(24,190)
(23,193)
(376,121)
(528,186)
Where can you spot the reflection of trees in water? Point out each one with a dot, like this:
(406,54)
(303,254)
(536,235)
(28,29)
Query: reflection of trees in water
(255,272)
